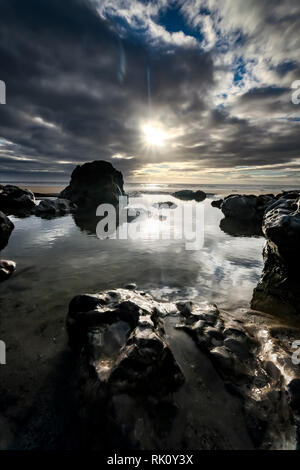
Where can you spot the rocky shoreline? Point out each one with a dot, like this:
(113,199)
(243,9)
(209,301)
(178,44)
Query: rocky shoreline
(127,371)
(150,374)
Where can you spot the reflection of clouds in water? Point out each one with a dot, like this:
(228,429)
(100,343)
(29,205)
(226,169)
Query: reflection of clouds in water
(225,271)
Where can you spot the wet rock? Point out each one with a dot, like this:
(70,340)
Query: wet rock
(246,207)
(6,269)
(188,195)
(14,200)
(294,394)
(6,227)
(94,183)
(130,286)
(278,290)
(124,359)
(128,373)
(185,308)
(237,346)
(222,357)
(217,203)
(55,207)
(164,205)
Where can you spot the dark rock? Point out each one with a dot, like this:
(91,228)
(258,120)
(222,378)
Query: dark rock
(164,205)
(217,203)
(241,228)
(6,227)
(246,207)
(6,269)
(294,394)
(91,315)
(55,207)
(126,368)
(214,336)
(128,374)
(278,290)
(237,346)
(14,200)
(94,183)
(130,286)
(188,195)
(222,357)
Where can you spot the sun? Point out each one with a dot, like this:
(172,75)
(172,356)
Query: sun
(154,136)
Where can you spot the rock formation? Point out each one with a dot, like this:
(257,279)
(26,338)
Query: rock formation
(94,183)
(188,195)
(246,207)
(14,200)
(6,227)
(126,365)
(6,269)
(217,203)
(133,393)
(55,207)
(279,289)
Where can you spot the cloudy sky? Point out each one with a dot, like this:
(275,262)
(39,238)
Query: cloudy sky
(194,91)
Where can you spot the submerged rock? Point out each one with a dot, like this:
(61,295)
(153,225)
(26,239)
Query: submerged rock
(164,205)
(246,207)
(14,200)
(55,207)
(94,183)
(189,195)
(6,269)
(6,227)
(278,291)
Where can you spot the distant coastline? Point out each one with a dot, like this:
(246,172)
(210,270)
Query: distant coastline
(52,189)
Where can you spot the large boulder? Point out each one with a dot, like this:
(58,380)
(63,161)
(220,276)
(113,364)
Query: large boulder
(14,200)
(278,291)
(93,183)
(246,207)
(55,207)
(6,269)
(189,195)
(125,367)
(6,227)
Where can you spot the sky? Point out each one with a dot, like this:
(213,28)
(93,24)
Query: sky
(195,91)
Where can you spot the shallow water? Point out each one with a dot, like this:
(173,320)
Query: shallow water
(57,259)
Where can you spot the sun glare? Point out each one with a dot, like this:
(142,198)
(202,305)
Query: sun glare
(154,136)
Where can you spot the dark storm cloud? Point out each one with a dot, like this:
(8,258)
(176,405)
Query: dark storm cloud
(77,91)
(65,101)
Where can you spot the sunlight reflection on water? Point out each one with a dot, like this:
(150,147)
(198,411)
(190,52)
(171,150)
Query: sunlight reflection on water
(62,259)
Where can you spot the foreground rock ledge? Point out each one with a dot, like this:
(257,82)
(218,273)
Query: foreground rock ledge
(279,289)
(132,393)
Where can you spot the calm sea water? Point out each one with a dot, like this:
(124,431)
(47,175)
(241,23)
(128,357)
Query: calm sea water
(62,257)
(59,258)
